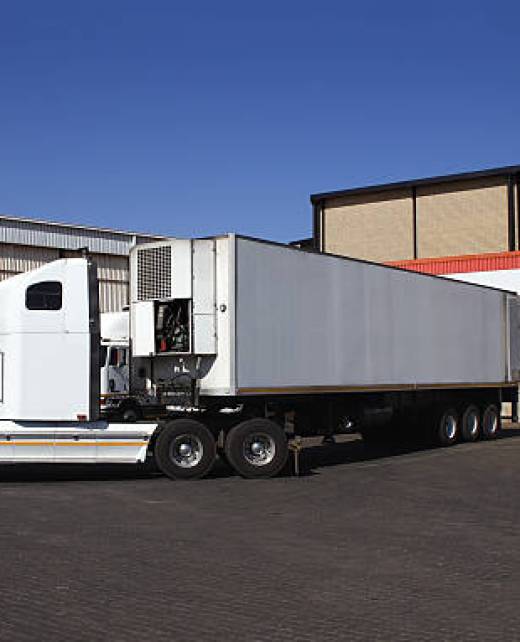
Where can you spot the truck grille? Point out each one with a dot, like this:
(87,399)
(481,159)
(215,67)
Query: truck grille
(154,273)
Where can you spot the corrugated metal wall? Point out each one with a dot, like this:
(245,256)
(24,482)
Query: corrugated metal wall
(18,258)
(53,235)
(112,270)
(26,245)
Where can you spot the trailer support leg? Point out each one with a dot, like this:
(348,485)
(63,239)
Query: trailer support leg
(296,446)
(514,406)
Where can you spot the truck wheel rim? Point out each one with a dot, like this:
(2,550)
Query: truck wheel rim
(259,449)
(472,424)
(491,424)
(450,427)
(186,451)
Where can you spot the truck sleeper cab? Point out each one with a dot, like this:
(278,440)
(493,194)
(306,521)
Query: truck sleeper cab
(49,375)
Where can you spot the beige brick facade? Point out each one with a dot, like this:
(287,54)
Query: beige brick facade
(373,227)
(470,217)
(423,220)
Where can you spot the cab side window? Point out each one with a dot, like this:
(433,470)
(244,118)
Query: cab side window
(47,295)
(118,357)
(113,357)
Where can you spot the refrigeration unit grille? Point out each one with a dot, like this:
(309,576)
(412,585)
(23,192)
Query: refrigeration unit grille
(154,273)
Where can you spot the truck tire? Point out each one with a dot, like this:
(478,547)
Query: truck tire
(256,448)
(131,413)
(446,429)
(470,423)
(491,422)
(185,449)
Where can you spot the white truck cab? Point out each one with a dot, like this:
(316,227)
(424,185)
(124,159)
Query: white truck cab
(49,325)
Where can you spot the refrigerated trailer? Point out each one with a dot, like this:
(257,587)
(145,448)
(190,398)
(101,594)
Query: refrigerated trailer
(250,344)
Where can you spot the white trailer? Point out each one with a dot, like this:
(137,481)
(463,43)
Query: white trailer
(265,337)
(252,343)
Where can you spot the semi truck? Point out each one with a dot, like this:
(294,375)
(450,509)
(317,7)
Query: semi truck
(250,344)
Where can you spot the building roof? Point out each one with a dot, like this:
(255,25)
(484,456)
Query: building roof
(492,262)
(448,178)
(27,231)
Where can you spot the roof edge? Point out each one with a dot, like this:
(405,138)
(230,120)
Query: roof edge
(88,228)
(446,178)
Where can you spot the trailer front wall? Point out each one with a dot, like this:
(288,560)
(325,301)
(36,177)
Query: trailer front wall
(308,322)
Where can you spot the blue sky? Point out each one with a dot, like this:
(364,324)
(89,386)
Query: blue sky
(194,118)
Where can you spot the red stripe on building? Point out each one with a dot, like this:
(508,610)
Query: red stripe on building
(461,264)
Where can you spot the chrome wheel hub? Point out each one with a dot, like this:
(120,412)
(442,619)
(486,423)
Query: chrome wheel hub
(186,451)
(259,449)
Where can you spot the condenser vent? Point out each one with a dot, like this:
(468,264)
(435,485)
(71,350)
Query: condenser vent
(154,273)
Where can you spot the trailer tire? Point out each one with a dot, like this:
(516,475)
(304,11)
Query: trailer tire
(185,449)
(256,448)
(491,422)
(470,423)
(447,427)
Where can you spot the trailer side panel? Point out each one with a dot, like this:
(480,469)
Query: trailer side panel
(309,322)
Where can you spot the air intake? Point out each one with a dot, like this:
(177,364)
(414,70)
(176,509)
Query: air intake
(154,273)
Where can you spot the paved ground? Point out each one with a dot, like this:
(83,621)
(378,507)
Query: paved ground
(369,545)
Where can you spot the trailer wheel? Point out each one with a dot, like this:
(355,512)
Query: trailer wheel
(470,424)
(447,428)
(490,422)
(256,448)
(185,449)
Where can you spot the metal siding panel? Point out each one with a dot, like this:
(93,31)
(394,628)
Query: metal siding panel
(113,296)
(113,271)
(314,320)
(17,258)
(41,234)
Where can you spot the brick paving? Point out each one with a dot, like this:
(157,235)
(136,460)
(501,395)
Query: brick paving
(368,545)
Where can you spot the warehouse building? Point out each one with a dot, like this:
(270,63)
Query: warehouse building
(459,214)
(26,244)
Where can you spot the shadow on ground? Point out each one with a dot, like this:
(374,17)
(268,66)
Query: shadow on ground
(314,456)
